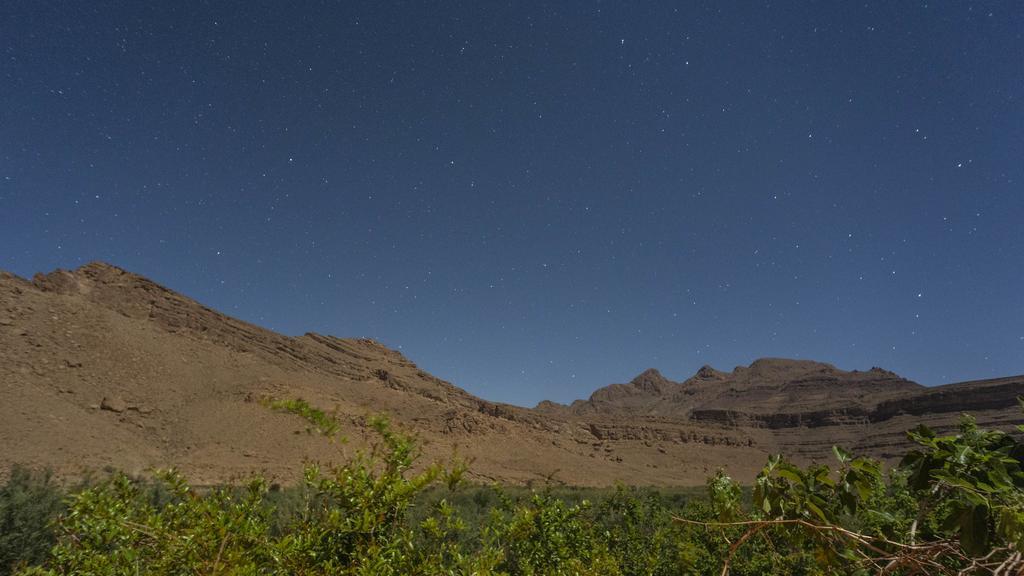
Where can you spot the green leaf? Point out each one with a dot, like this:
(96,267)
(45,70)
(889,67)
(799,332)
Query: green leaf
(841,454)
(791,472)
(920,467)
(974,533)
(867,466)
(921,434)
(848,501)
(815,504)
(822,477)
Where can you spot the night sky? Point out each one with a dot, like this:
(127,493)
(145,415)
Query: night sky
(532,200)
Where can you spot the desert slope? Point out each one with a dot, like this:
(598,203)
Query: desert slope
(100,367)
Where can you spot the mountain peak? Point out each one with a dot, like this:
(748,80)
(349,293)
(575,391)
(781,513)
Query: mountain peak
(99,266)
(651,381)
(783,367)
(81,279)
(706,372)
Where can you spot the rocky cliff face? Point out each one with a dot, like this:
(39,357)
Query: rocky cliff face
(769,390)
(798,408)
(100,367)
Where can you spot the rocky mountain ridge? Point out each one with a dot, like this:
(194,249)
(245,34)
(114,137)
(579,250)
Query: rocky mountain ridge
(768,385)
(100,368)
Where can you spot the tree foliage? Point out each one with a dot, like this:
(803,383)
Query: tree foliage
(955,505)
(28,503)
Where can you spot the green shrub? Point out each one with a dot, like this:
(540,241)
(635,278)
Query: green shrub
(322,422)
(548,536)
(29,504)
(955,506)
(357,519)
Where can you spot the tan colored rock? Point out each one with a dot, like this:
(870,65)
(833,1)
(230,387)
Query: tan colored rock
(113,404)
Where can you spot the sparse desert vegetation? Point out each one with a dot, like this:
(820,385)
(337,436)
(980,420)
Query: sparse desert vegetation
(322,422)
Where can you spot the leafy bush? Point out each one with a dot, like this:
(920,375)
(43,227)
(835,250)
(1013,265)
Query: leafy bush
(637,527)
(357,518)
(954,506)
(29,503)
(322,422)
(976,480)
(548,536)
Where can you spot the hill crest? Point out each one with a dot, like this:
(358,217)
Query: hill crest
(101,367)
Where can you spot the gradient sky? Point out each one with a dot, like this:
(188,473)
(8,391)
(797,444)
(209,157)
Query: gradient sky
(532,200)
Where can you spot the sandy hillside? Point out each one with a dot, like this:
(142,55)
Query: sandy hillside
(101,368)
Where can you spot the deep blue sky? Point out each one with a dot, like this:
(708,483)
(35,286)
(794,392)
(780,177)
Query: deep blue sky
(536,199)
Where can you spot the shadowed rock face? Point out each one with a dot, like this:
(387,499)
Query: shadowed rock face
(771,392)
(101,367)
(778,393)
